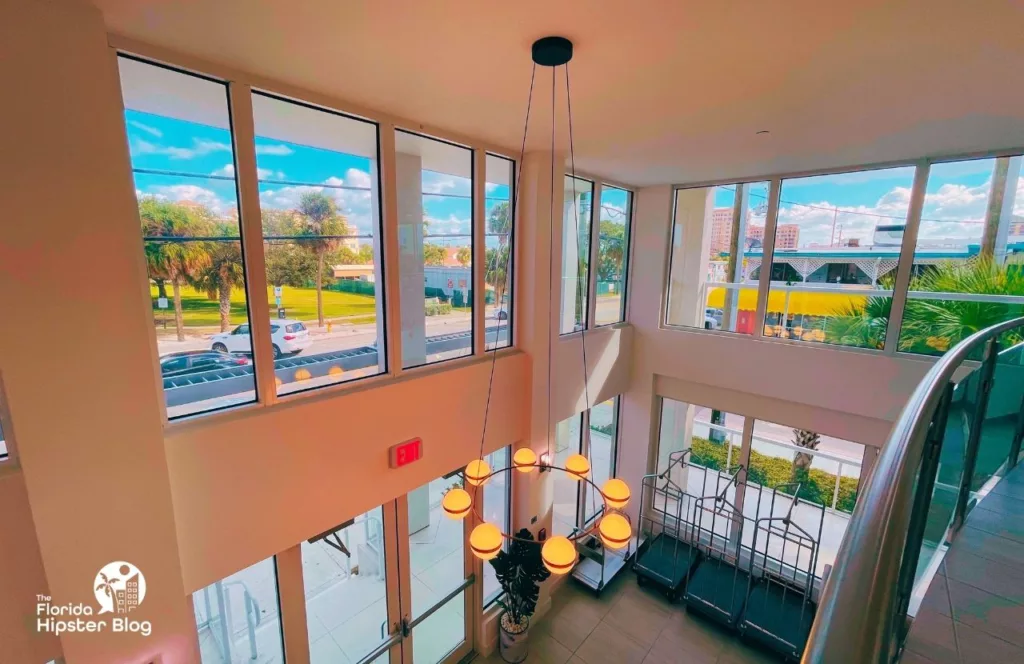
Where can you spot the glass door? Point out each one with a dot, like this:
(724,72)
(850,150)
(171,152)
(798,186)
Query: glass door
(391,586)
(436,584)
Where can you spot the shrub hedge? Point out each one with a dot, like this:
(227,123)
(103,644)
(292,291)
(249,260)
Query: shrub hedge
(816,485)
(437,309)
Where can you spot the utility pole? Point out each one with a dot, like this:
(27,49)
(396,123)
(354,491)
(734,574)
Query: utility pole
(737,244)
(832,238)
(999,214)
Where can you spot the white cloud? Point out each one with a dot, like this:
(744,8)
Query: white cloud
(354,204)
(227,170)
(451,226)
(277,149)
(199,148)
(262,173)
(177,193)
(152,131)
(442,183)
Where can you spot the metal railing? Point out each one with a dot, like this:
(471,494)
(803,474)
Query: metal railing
(958,434)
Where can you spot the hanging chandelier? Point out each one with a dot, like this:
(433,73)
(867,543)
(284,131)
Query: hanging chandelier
(613,527)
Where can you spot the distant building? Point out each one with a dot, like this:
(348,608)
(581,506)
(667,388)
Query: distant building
(787,236)
(351,243)
(354,272)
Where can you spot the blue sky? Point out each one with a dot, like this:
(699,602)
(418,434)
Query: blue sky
(202,157)
(955,201)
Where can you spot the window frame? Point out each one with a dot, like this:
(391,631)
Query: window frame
(514,172)
(904,267)
(506,528)
(626,252)
(259,395)
(239,86)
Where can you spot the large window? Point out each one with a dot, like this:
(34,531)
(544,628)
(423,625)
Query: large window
(834,264)
(318,188)
(179,135)
(576,219)
(602,439)
(435,245)
(568,441)
(594,434)
(967,271)
(612,255)
(497,510)
(239,619)
(344,575)
(500,250)
(717,242)
(700,448)
(836,274)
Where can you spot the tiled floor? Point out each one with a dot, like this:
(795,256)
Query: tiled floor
(628,625)
(974,608)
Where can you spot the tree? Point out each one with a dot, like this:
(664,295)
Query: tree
(497,266)
(318,234)
(861,325)
(931,326)
(433,254)
(172,253)
(499,223)
(807,440)
(463,256)
(365,255)
(223,274)
(610,251)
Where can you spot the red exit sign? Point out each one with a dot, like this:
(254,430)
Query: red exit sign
(405,453)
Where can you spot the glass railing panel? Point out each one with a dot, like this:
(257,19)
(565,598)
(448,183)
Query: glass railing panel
(1002,409)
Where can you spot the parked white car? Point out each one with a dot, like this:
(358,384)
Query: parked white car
(288,336)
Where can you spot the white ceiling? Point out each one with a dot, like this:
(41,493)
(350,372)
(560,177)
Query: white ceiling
(663,91)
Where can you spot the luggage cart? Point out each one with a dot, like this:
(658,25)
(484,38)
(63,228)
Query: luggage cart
(780,604)
(598,564)
(665,553)
(719,584)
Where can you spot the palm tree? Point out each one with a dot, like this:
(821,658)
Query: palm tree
(808,440)
(223,274)
(319,234)
(173,251)
(932,326)
(463,256)
(861,325)
(499,223)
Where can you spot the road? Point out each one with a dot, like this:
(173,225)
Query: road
(319,367)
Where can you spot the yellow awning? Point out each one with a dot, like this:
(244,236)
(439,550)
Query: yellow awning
(810,304)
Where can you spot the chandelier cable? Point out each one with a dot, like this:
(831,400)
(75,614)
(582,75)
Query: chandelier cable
(581,290)
(551,256)
(516,188)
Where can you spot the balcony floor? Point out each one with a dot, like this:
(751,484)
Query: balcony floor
(974,609)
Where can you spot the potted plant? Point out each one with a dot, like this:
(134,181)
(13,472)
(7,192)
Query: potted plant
(519,571)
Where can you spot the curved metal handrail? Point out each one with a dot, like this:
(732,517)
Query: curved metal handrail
(856,616)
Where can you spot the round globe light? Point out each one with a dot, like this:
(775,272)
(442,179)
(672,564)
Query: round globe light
(616,493)
(615,531)
(559,555)
(524,460)
(477,472)
(485,541)
(578,466)
(457,503)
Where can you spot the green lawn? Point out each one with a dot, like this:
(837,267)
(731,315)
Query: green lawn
(299,303)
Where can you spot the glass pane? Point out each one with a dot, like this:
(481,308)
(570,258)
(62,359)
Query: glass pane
(827,470)
(496,510)
(500,243)
(567,442)
(966,273)
(437,562)
(346,596)
(238,618)
(837,247)
(435,248)
(612,254)
(712,279)
(603,436)
(321,229)
(441,633)
(579,195)
(180,141)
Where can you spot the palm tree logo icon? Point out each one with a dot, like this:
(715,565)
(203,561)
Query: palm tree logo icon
(119,587)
